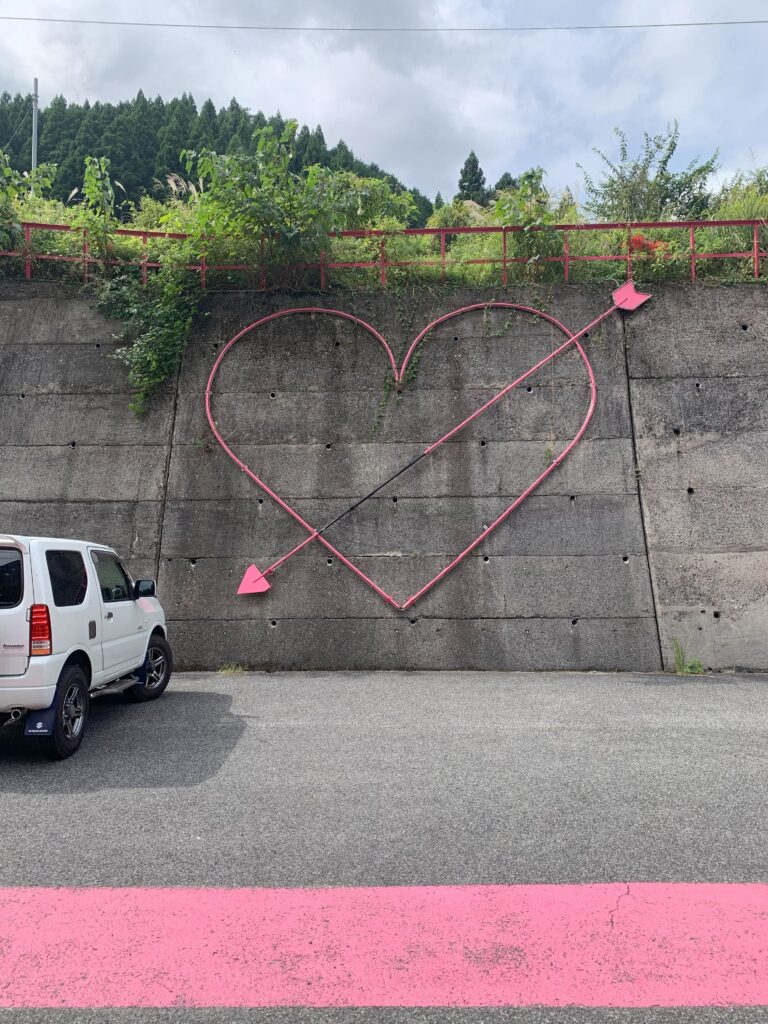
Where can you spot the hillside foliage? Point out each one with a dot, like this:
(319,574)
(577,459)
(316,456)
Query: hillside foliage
(262,203)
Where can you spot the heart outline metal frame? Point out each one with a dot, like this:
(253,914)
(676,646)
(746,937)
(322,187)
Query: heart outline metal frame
(399,374)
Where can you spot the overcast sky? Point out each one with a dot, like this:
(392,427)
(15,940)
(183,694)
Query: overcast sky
(417,104)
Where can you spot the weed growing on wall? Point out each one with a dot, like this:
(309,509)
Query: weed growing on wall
(159,322)
(685,666)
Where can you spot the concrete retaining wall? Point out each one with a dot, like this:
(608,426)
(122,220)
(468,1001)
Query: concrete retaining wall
(609,556)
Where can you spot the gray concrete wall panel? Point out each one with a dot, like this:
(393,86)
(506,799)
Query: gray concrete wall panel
(567,580)
(698,359)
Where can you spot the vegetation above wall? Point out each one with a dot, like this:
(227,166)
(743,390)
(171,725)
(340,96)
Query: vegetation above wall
(264,207)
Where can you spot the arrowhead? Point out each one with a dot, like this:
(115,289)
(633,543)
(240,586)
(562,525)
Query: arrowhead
(254,582)
(628,298)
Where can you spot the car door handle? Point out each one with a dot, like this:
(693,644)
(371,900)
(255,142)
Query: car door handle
(109,615)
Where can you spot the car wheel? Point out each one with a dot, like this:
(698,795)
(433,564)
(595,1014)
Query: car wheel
(158,666)
(72,704)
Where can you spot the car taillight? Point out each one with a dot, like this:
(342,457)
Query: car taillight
(40,641)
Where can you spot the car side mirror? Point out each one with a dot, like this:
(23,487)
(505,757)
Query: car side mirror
(143,588)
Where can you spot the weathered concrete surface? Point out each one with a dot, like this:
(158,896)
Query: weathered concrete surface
(698,361)
(309,404)
(588,525)
(301,417)
(497,586)
(440,643)
(351,470)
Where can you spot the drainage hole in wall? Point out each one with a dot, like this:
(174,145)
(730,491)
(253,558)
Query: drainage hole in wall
(23,395)
(572,498)
(215,345)
(72,444)
(328,447)
(625,558)
(193,562)
(690,490)
(394,500)
(587,334)
(716,615)
(413,622)
(272,394)
(98,345)
(486,558)
(399,391)
(574,622)
(483,444)
(273,623)
(698,386)
(676,431)
(455,337)
(337,344)
(529,389)
(329,561)
(745,327)
(261,501)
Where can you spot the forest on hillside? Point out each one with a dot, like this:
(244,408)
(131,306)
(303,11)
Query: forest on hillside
(154,200)
(143,139)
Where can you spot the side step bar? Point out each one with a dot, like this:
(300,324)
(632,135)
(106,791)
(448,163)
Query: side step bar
(117,687)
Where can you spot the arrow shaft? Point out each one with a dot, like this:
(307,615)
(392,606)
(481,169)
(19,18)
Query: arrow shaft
(523,377)
(318,534)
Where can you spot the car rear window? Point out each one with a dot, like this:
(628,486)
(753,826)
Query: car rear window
(11,578)
(69,580)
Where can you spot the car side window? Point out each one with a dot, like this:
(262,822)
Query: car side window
(69,579)
(113,579)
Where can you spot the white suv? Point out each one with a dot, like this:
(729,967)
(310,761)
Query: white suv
(73,625)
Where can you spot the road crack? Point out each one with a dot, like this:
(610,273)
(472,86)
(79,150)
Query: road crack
(613,912)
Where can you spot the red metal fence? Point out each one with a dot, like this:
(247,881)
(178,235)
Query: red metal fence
(636,246)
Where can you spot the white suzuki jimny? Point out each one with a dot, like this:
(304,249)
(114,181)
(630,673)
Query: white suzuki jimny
(73,625)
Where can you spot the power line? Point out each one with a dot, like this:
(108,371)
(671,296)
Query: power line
(381,29)
(21,122)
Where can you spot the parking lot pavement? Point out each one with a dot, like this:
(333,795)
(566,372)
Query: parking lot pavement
(371,780)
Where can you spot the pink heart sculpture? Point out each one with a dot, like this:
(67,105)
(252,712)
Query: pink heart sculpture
(256,581)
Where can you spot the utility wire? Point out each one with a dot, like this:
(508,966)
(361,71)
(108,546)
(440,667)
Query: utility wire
(21,122)
(400,29)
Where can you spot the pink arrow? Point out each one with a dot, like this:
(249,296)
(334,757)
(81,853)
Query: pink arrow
(254,581)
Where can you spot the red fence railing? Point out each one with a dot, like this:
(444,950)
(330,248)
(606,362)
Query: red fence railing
(382,264)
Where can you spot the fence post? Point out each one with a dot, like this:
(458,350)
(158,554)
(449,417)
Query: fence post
(504,256)
(383,261)
(629,253)
(144,262)
(566,258)
(202,272)
(28,258)
(322,269)
(693,253)
(262,268)
(86,256)
(442,254)
(756,250)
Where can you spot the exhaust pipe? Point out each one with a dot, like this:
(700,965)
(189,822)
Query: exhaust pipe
(14,715)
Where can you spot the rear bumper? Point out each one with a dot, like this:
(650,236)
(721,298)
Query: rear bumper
(29,698)
(34,690)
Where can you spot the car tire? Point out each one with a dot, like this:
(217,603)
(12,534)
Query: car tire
(158,666)
(72,703)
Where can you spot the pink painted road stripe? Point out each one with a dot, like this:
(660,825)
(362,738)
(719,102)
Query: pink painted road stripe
(645,944)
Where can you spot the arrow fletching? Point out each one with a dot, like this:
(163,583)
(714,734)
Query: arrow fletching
(628,297)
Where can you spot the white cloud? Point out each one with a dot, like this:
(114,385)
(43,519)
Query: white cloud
(417,104)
